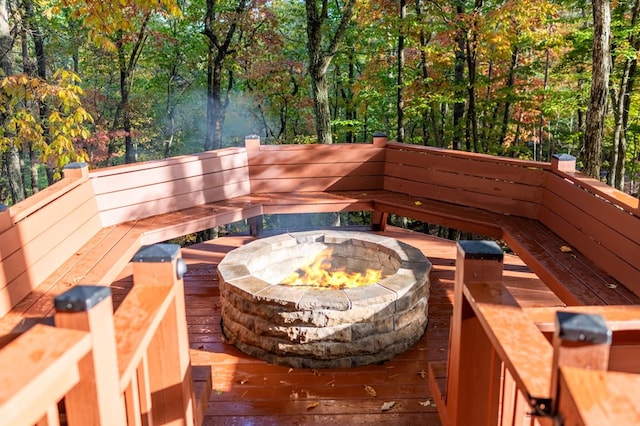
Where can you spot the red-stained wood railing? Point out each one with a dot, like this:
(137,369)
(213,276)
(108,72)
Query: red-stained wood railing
(505,368)
(88,226)
(30,391)
(130,367)
(40,233)
(595,219)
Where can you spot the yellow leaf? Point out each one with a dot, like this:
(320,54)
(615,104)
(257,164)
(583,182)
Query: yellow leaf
(371,391)
(566,249)
(313,405)
(418,203)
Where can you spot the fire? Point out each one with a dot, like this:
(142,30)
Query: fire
(321,274)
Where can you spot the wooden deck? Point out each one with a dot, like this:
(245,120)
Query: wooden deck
(576,236)
(249,391)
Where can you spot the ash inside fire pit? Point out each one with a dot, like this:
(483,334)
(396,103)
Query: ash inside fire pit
(315,324)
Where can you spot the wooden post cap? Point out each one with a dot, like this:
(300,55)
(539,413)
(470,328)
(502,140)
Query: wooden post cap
(563,163)
(585,328)
(480,249)
(76,169)
(81,298)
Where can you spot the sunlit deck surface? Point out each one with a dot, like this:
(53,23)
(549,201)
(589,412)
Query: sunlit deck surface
(248,391)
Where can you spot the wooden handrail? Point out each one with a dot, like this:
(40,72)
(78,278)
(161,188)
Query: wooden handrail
(499,359)
(30,391)
(132,368)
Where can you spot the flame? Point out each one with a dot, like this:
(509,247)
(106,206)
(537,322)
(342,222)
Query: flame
(319,273)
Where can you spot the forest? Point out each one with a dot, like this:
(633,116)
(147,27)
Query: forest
(108,82)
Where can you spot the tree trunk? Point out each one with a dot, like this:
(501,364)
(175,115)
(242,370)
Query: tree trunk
(125,108)
(215,105)
(507,103)
(459,105)
(472,61)
(219,49)
(11,157)
(400,81)
(320,58)
(31,27)
(621,100)
(601,68)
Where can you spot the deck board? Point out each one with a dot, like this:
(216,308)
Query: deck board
(246,390)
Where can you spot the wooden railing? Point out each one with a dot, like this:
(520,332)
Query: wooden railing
(508,365)
(104,216)
(97,367)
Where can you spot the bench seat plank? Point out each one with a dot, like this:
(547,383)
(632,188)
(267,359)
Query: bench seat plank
(575,279)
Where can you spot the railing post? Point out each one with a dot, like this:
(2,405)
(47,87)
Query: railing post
(96,400)
(5,218)
(255,226)
(579,340)
(379,139)
(170,377)
(252,142)
(76,170)
(563,163)
(379,218)
(469,388)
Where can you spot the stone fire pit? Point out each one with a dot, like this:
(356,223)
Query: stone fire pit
(308,327)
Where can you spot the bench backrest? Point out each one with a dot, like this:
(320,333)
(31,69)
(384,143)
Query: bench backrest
(315,168)
(496,184)
(40,233)
(597,220)
(136,191)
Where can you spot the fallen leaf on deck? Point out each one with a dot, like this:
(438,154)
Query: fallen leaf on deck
(566,249)
(388,405)
(612,285)
(218,392)
(422,374)
(282,382)
(313,405)
(371,391)
(243,381)
(418,203)
(290,370)
(293,395)
(316,372)
(425,403)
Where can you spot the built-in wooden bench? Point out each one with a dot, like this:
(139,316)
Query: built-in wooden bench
(580,238)
(87,227)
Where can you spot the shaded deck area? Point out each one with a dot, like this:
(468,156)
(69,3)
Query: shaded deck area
(250,391)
